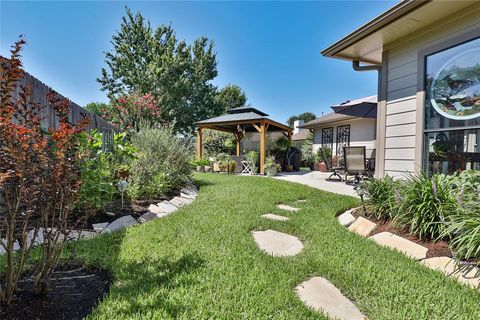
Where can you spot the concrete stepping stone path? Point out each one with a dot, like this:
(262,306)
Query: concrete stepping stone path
(410,248)
(346,218)
(468,275)
(277,243)
(363,227)
(272,216)
(321,295)
(287,208)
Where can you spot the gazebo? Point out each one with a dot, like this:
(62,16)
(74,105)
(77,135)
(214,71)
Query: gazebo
(238,121)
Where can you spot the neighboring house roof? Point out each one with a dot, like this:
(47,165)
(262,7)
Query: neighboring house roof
(369,99)
(300,135)
(366,43)
(326,119)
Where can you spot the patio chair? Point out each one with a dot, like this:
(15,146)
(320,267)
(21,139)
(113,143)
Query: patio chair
(355,163)
(334,170)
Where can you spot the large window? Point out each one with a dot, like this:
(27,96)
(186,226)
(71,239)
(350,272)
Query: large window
(452,109)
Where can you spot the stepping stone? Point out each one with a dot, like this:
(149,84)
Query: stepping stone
(363,227)
(16,246)
(146,217)
(301,200)
(120,223)
(410,248)
(322,296)
(346,218)
(98,227)
(277,243)
(468,275)
(288,208)
(272,216)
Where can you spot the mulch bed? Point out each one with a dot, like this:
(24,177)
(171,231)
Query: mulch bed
(73,296)
(435,249)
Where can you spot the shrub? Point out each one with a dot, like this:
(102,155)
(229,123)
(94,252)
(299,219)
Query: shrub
(252,156)
(39,176)
(163,158)
(102,167)
(382,197)
(425,203)
(217,142)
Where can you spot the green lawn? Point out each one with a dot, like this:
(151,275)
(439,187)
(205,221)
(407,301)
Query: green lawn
(202,262)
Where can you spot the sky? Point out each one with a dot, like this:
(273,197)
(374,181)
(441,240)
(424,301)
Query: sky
(270,49)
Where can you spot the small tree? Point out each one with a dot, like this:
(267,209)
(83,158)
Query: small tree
(306,117)
(39,177)
(130,112)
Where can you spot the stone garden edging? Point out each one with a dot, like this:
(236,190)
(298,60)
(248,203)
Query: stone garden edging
(160,210)
(469,275)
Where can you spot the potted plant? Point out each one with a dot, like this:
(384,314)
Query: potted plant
(252,157)
(207,166)
(271,167)
(321,164)
(285,145)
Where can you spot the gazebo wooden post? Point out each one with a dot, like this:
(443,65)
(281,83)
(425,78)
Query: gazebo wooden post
(238,138)
(263,136)
(199,144)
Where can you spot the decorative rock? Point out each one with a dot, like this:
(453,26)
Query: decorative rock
(468,275)
(16,246)
(188,196)
(148,216)
(177,202)
(277,243)
(166,207)
(346,218)
(98,227)
(156,209)
(363,227)
(271,216)
(80,235)
(185,201)
(120,223)
(408,247)
(111,214)
(288,208)
(39,238)
(322,296)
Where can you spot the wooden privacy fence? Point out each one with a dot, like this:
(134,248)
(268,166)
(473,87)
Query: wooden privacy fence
(49,118)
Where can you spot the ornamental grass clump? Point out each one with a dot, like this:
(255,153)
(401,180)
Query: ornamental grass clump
(425,203)
(162,163)
(383,196)
(463,225)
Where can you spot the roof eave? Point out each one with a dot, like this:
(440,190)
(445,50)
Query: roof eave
(372,26)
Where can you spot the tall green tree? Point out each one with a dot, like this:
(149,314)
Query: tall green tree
(306,116)
(231,96)
(146,60)
(97,108)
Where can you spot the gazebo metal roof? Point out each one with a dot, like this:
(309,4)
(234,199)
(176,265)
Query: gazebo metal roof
(238,121)
(243,116)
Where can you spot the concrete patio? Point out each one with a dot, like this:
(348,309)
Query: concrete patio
(317,179)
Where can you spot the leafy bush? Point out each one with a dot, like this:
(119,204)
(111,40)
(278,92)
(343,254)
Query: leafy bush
(217,142)
(252,156)
(425,203)
(382,197)
(163,163)
(39,176)
(328,154)
(102,168)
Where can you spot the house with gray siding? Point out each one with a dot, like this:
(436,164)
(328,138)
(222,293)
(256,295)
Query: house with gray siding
(427,55)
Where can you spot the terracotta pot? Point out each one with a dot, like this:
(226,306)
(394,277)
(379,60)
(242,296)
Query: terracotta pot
(322,166)
(288,167)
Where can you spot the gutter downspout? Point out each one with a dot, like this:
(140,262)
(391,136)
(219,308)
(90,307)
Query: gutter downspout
(379,167)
